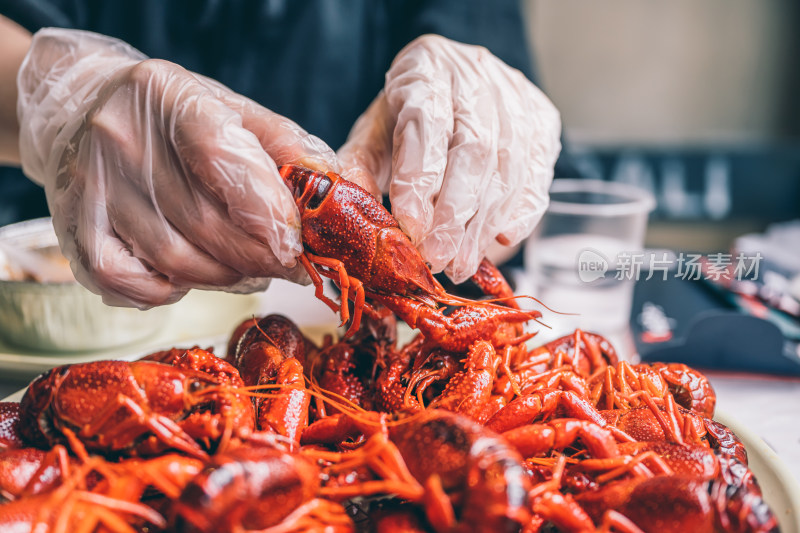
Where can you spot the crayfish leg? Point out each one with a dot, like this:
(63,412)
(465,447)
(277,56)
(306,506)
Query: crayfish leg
(438,507)
(317,281)
(345,283)
(492,283)
(162,428)
(358,306)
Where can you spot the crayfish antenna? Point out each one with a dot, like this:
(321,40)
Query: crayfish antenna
(529,297)
(341,403)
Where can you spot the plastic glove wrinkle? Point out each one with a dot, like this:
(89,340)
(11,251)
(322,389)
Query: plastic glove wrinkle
(462,122)
(149,168)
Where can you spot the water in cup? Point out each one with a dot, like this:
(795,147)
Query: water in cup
(572,259)
(576,274)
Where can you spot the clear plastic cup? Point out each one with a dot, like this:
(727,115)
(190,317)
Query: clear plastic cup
(586,253)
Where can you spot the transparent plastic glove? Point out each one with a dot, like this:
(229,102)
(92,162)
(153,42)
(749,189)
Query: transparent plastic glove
(159,180)
(465,146)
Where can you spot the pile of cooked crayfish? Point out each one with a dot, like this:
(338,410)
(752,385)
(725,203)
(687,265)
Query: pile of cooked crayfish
(463,428)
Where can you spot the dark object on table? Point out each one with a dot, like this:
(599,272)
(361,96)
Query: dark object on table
(731,341)
(688,322)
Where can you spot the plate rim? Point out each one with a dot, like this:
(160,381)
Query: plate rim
(773,465)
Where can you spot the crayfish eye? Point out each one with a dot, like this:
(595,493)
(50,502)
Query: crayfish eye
(321,188)
(195,386)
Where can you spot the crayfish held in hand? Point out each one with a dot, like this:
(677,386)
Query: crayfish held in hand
(350,237)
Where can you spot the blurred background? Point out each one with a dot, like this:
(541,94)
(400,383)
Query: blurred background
(696,101)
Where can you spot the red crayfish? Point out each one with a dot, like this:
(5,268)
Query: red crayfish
(350,237)
(280,438)
(139,408)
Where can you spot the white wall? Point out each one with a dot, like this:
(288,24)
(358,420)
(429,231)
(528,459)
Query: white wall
(664,71)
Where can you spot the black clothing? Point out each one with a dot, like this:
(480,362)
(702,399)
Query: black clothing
(318,62)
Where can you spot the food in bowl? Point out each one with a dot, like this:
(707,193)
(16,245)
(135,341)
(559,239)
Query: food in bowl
(60,315)
(43,265)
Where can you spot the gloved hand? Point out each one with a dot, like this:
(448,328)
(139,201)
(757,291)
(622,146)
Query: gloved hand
(158,179)
(465,146)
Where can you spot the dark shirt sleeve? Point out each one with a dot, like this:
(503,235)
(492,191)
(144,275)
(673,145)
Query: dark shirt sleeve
(318,62)
(498,25)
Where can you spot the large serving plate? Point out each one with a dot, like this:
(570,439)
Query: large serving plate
(193,324)
(780,488)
